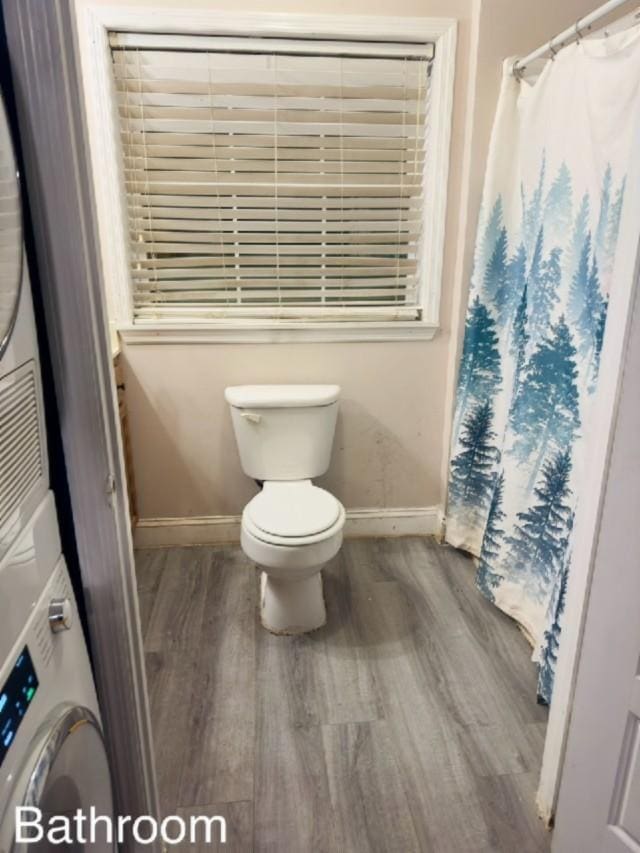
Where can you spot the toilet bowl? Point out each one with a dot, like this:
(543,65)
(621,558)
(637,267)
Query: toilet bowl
(291,528)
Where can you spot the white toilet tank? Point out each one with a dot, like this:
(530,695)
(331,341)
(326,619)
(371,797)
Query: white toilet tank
(284,432)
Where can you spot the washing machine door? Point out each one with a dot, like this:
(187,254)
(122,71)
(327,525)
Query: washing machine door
(67,770)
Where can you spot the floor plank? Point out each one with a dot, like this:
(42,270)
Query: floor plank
(239,827)
(370,808)
(219,752)
(504,645)
(423,721)
(150,563)
(506,803)
(146,600)
(170,678)
(292,806)
(176,618)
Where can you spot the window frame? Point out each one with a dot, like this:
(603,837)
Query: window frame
(95,21)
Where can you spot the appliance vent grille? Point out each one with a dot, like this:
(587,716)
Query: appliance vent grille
(21,459)
(44,641)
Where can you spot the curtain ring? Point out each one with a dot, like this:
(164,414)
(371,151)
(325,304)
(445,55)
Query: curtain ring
(552,51)
(517,71)
(577,32)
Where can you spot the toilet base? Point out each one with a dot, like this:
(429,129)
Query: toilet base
(292,607)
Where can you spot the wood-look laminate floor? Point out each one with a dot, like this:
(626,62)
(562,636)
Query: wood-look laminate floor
(407,723)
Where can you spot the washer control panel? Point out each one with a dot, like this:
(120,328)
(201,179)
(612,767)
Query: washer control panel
(16,694)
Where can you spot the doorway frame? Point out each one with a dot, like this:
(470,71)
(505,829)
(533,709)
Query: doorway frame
(41,36)
(597,775)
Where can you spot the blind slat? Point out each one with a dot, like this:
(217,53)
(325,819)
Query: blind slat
(241,152)
(317,127)
(164,165)
(400,116)
(167,101)
(396,247)
(143,180)
(321,194)
(219,140)
(286,293)
(262,63)
(258,88)
(291,229)
(208,267)
(201,207)
(314,232)
(211,290)
(169,314)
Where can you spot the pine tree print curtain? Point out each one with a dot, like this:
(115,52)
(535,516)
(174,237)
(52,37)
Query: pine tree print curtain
(547,239)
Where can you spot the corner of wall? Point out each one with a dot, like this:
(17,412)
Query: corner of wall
(468,213)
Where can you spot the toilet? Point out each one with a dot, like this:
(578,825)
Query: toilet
(291,528)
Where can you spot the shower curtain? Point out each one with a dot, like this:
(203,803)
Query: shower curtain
(547,239)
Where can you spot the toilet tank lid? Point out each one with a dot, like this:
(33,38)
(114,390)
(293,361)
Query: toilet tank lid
(281,396)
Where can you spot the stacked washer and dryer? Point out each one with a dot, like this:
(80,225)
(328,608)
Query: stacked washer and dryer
(52,755)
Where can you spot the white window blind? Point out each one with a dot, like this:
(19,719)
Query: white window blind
(273,178)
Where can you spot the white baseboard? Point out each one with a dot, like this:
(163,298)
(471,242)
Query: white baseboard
(217,529)
(394,521)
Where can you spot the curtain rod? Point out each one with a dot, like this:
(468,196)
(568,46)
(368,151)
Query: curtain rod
(581,26)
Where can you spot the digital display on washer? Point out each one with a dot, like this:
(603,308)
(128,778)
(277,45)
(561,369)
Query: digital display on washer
(16,695)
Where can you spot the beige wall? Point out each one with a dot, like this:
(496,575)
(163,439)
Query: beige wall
(186,460)
(392,438)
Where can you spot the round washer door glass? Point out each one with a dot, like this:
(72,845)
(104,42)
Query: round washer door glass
(10,234)
(71,772)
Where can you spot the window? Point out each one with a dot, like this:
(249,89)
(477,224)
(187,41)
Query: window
(275,178)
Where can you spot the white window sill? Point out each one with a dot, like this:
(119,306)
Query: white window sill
(276,332)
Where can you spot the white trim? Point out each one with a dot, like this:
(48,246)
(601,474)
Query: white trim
(182,19)
(226,332)
(216,529)
(466,230)
(94,21)
(436,176)
(105,157)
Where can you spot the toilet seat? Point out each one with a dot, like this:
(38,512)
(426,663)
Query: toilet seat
(293,513)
